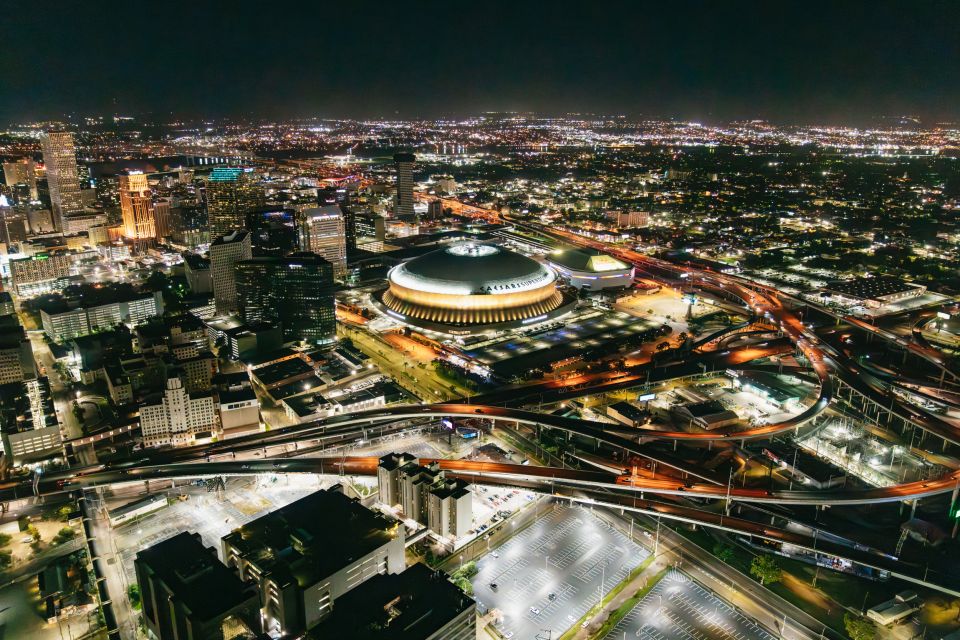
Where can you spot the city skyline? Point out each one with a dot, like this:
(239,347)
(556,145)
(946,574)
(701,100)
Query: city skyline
(441,321)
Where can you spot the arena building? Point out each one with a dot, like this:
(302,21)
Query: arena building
(473,288)
(591,270)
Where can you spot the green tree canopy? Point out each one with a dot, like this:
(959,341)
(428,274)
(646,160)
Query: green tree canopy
(859,628)
(765,569)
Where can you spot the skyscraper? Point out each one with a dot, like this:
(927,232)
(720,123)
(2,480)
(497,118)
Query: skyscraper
(161,217)
(231,193)
(21,171)
(60,159)
(225,252)
(136,206)
(324,233)
(296,291)
(404,163)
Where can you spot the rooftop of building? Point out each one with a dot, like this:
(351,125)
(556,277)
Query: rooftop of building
(234,237)
(226,174)
(11,333)
(192,572)
(586,260)
(16,411)
(707,408)
(195,261)
(298,258)
(768,385)
(277,372)
(238,395)
(628,410)
(296,542)
(870,288)
(85,296)
(309,404)
(411,605)
(472,268)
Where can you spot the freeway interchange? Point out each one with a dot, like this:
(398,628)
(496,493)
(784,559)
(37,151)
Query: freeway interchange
(624,491)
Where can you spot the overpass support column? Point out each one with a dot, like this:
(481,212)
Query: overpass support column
(913,507)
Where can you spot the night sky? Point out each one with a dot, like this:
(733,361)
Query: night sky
(829,62)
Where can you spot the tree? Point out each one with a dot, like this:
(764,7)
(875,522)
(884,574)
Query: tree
(63,513)
(5,539)
(6,559)
(466,571)
(34,532)
(859,628)
(64,535)
(723,552)
(663,346)
(133,593)
(78,412)
(464,585)
(765,569)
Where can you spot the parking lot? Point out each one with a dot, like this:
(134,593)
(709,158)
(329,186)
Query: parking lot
(550,574)
(212,514)
(491,504)
(680,609)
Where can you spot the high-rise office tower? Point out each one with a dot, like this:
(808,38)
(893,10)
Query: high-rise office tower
(136,206)
(231,193)
(404,163)
(225,252)
(295,291)
(323,232)
(60,159)
(21,171)
(161,217)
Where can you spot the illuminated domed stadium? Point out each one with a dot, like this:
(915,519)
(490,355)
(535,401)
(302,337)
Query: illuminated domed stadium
(472,287)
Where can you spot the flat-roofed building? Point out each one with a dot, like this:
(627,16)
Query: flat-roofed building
(28,422)
(707,415)
(444,505)
(239,412)
(176,417)
(324,232)
(231,192)
(296,291)
(627,414)
(418,604)
(41,273)
(873,292)
(301,564)
(196,269)
(225,252)
(188,594)
(97,309)
(16,352)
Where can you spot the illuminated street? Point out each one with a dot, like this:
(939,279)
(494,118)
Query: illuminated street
(579,321)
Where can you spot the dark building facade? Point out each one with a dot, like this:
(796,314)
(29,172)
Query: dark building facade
(404,164)
(295,291)
(188,594)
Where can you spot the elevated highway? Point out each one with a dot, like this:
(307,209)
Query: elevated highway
(585,487)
